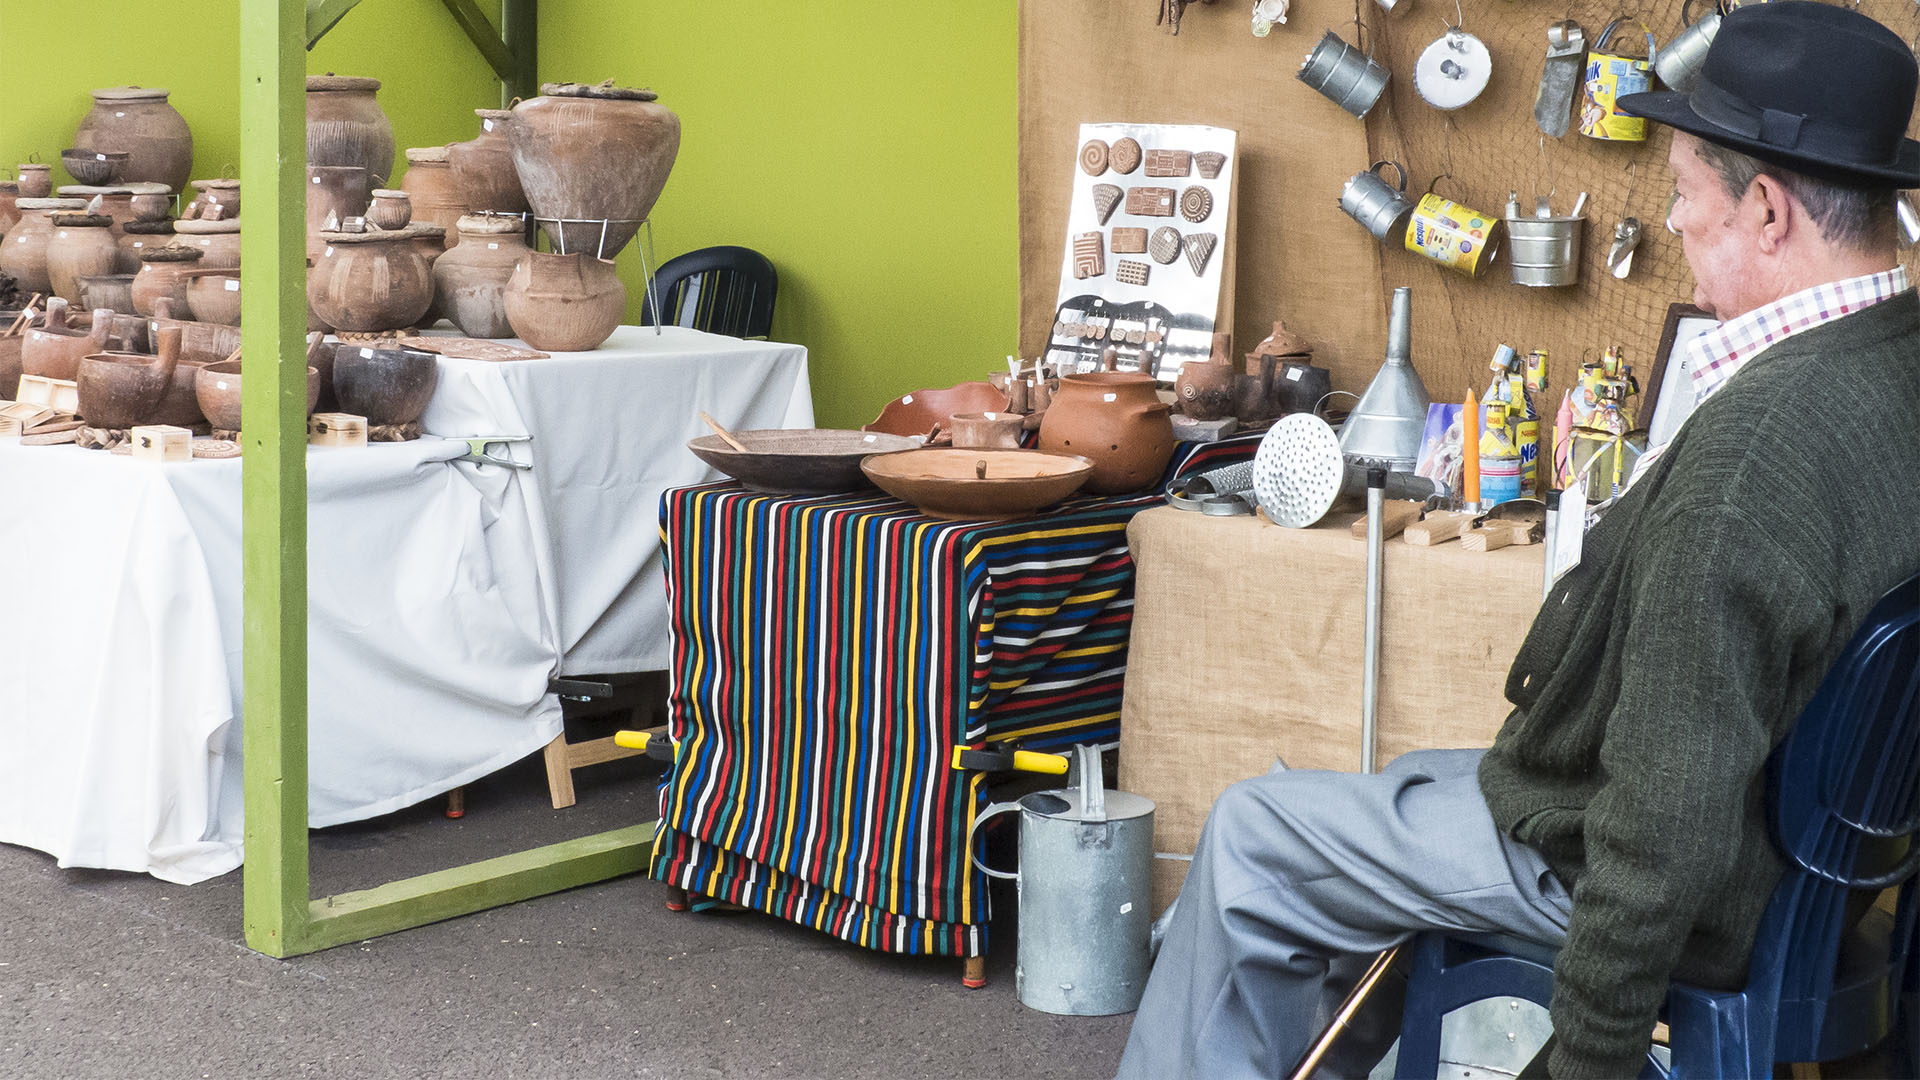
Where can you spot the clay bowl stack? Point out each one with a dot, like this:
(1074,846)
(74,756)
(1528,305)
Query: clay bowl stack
(806,461)
(978,484)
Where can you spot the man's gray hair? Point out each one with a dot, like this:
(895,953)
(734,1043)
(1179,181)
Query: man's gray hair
(1848,216)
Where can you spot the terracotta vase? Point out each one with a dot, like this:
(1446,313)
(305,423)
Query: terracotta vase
(564,303)
(1205,389)
(140,122)
(389,209)
(431,188)
(470,280)
(35,180)
(593,154)
(82,245)
(53,350)
(483,166)
(369,282)
(214,295)
(23,256)
(1117,421)
(120,390)
(217,241)
(163,273)
(345,126)
(9,213)
(223,193)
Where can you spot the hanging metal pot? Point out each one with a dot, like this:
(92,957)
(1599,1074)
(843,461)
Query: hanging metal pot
(1346,76)
(1382,207)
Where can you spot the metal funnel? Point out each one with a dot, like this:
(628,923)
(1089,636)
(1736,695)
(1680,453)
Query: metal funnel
(1385,427)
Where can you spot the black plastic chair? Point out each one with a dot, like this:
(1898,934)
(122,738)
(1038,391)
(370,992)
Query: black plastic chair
(721,290)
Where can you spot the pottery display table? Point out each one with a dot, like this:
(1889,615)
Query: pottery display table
(442,598)
(829,652)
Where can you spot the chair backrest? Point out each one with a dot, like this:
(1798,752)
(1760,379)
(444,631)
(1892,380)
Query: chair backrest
(721,290)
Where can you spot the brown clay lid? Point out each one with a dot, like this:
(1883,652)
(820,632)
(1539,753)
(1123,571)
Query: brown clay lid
(190,226)
(331,83)
(82,220)
(605,91)
(148,228)
(130,93)
(171,253)
(488,224)
(144,187)
(426,155)
(51,204)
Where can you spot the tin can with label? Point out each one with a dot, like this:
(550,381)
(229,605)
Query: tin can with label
(1457,237)
(1611,77)
(1499,480)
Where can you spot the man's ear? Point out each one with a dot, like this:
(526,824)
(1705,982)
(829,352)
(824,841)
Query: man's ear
(1775,213)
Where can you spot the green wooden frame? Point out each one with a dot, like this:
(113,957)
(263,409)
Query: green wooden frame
(509,51)
(281,917)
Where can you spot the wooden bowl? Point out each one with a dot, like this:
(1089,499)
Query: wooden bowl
(918,412)
(976,484)
(804,461)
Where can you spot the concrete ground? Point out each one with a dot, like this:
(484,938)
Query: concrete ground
(106,974)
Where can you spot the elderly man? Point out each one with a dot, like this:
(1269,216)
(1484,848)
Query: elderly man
(1619,814)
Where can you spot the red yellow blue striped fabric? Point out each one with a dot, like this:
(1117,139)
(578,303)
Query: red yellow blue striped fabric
(830,652)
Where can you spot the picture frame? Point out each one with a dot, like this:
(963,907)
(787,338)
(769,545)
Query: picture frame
(1666,399)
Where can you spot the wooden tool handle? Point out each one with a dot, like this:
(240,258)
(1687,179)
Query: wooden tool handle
(725,435)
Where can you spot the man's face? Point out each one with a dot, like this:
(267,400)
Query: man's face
(1709,221)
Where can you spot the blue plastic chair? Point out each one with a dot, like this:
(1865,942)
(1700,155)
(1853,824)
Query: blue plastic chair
(1823,983)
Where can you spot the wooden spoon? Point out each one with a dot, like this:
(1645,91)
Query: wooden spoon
(725,435)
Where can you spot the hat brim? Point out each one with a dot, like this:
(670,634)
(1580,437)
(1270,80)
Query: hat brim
(1672,109)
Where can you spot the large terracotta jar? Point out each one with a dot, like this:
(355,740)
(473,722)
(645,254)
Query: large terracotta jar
(218,241)
(587,154)
(82,245)
(470,280)
(346,126)
(23,256)
(1116,420)
(366,283)
(163,274)
(483,166)
(140,122)
(564,303)
(434,192)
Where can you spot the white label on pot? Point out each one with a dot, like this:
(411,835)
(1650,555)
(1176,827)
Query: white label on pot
(1106,397)
(908,400)
(1293,375)
(1126,907)
(233,285)
(220,384)
(867,439)
(493,247)
(329,252)
(486,125)
(366,354)
(118,115)
(316,179)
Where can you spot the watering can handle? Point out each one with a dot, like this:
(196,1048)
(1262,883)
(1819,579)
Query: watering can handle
(1093,786)
(974,849)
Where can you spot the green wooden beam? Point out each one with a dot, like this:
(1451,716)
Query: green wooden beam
(484,37)
(321,16)
(520,24)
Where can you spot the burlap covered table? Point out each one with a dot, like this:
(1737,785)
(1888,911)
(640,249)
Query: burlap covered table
(1247,645)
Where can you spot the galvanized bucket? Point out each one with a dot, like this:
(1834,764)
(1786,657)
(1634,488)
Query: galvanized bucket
(1544,251)
(1086,856)
(1348,77)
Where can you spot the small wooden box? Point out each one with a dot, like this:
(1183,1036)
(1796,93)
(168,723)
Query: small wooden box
(10,427)
(336,429)
(161,442)
(63,395)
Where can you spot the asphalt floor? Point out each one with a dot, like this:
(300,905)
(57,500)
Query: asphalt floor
(116,975)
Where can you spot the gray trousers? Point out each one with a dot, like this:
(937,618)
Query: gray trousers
(1299,878)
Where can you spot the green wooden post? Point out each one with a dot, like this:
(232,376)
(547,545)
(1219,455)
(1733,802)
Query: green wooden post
(273,155)
(520,23)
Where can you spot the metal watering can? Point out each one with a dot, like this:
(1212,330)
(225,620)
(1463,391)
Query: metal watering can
(1086,856)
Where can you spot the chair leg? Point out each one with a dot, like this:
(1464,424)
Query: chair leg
(973,972)
(559,773)
(457,803)
(1420,1022)
(677,899)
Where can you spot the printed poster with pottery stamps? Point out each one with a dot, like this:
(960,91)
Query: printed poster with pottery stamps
(1149,248)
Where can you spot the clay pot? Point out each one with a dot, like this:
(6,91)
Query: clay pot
(150,206)
(54,350)
(94,166)
(470,280)
(82,245)
(320,358)
(111,291)
(200,342)
(434,192)
(564,303)
(139,237)
(23,256)
(1205,389)
(163,273)
(989,430)
(9,213)
(345,126)
(483,166)
(1300,387)
(10,355)
(593,153)
(139,121)
(35,181)
(1253,394)
(336,191)
(121,390)
(214,295)
(1115,420)
(368,282)
(218,242)
(389,209)
(387,386)
(223,193)
(216,388)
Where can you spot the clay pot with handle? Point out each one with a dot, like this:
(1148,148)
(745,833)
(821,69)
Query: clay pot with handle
(1205,388)
(54,349)
(121,390)
(1116,420)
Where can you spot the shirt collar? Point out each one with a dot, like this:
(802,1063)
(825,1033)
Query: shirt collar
(1718,355)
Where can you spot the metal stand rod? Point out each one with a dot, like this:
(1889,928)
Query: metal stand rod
(1370,671)
(1358,997)
(1547,540)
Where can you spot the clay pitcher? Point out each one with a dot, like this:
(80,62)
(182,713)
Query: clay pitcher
(1205,388)
(470,280)
(564,303)
(589,154)
(54,349)
(483,166)
(346,126)
(120,390)
(1117,421)
(139,121)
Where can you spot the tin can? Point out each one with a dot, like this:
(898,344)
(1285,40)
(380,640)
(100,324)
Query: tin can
(1611,77)
(1499,480)
(1344,75)
(1457,237)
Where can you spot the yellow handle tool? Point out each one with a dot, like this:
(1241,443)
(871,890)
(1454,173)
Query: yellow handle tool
(1029,761)
(631,740)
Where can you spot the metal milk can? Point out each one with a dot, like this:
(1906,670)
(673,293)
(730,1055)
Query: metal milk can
(1086,856)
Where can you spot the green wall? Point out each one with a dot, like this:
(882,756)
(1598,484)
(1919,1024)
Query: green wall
(867,147)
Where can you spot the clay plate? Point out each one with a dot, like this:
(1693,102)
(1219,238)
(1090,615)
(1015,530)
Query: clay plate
(947,483)
(805,461)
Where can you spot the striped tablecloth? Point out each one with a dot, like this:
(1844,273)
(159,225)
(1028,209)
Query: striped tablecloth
(828,653)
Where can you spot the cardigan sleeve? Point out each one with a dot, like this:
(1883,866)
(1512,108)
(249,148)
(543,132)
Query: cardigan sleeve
(1717,616)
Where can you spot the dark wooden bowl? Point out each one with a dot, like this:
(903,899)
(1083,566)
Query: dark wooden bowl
(804,461)
(947,483)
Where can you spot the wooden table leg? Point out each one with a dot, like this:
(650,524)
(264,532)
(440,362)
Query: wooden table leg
(457,803)
(973,975)
(559,772)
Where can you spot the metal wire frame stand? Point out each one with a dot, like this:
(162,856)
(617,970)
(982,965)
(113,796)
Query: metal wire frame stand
(557,236)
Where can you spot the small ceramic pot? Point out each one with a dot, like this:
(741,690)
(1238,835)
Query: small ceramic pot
(82,245)
(163,273)
(218,241)
(35,180)
(483,167)
(370,282)
(387,386)
(53,350)
(214,296)
(988,431)
(216,388)
(112,291)
(139,121)
(1300,387)
(223,193)
(435,194)
(23,255)
(470,280)
(564,303)
(390,209)
(346,126)
(150,206)
(1205,389)
(1117,421)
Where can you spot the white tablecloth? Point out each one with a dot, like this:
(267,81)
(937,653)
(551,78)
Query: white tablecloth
(441,599)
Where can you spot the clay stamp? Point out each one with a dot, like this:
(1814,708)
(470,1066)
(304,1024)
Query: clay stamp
(1199,249)
(1125,156)
(1196,204)
(1089,260)
(1106,199)
(1129,241)
(1209,162)
(1093,157)
(1169,163)
(1131,273)
(1150,201)
(1165,245)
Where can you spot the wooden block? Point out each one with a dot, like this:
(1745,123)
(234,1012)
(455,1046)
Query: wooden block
(336,429)
(1187,429)
(161,442)
(1150,201)
(1395,516)
(1129,241)
(1169,163)
(1490,537)
(1438,528)
(61,395)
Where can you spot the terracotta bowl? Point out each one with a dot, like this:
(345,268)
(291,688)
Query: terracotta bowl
(387,386)
(214,296)
(918,412)
(806,461)
(94,167)
(976,484)
(989,430)
(217,388)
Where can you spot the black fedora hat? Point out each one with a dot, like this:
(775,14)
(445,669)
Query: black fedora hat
(1815,88)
